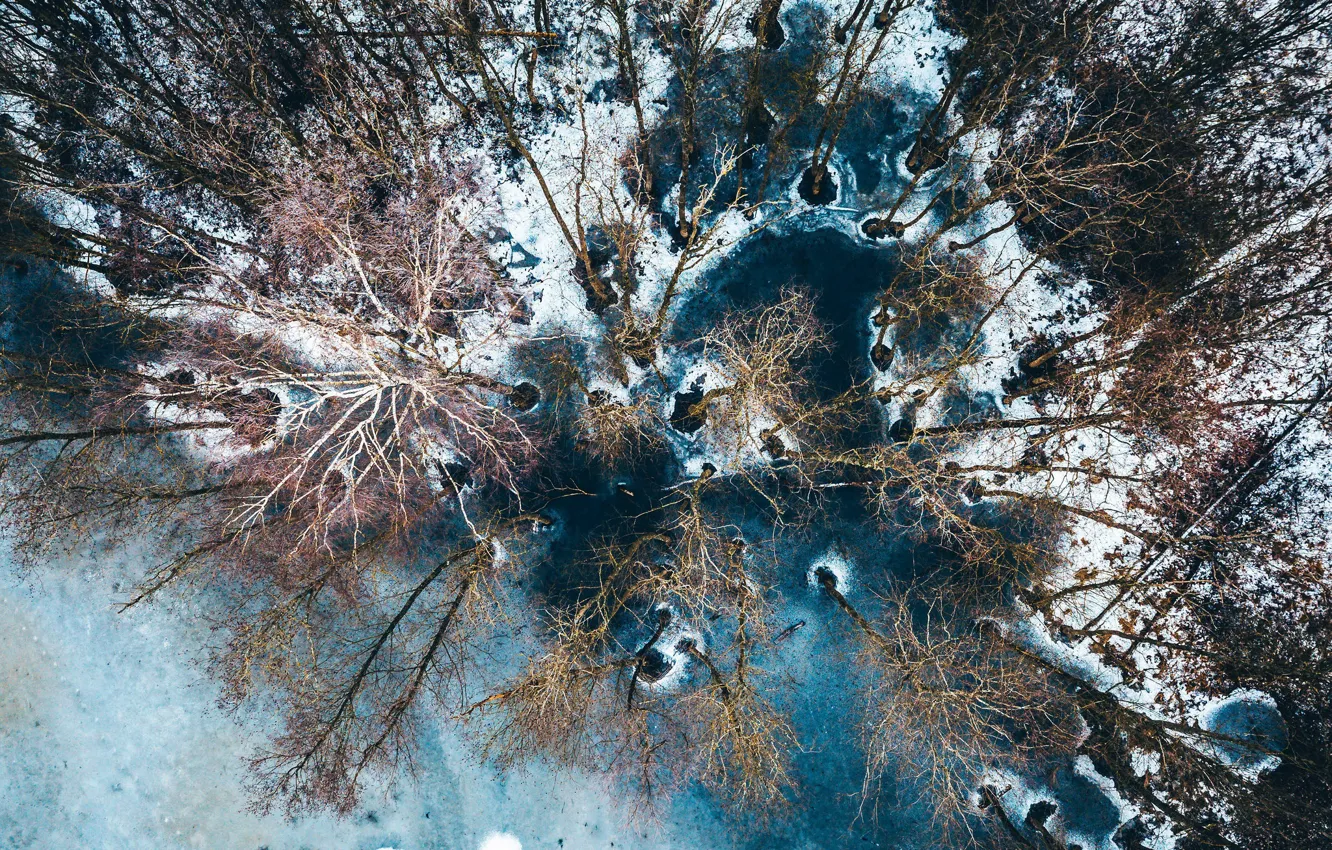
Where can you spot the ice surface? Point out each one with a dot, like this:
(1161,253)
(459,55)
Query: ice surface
(1252,720)
(109,740)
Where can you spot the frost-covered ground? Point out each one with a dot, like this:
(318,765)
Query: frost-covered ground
(109,740)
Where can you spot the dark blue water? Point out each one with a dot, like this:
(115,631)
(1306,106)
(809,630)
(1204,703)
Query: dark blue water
(843,274)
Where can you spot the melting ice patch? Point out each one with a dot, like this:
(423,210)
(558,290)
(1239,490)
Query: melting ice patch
(1076,804)
(832,561)
(672,654)
(1254,727)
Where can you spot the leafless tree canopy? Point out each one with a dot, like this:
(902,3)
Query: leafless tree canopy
(263,305)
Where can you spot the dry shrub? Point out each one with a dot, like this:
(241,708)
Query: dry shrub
(616,432)
(949,703)
(760,355)
(743,744)
(392,248)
